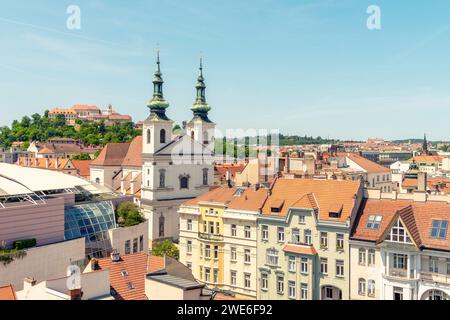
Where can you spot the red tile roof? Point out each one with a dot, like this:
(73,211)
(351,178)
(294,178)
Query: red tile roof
(7,293)
(369,166)
(417,216)
(133,158)
(137,266)
(83,167)
(113,154)
(321,194)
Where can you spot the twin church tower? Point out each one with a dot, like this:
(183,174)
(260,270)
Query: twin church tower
(166,181)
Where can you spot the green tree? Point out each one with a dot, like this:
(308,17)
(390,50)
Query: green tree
(83,156)
(129,214)
(165,248)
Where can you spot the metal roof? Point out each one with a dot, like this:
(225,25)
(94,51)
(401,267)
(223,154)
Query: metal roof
(175,281)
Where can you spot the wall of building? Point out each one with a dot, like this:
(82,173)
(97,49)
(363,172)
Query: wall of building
(42,263)
(120,236)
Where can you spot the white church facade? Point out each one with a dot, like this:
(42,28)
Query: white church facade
(175,168)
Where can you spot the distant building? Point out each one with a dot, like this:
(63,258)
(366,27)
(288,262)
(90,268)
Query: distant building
(60,148)
(89,114)
(78,168)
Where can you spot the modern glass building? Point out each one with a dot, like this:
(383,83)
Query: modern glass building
(91,221)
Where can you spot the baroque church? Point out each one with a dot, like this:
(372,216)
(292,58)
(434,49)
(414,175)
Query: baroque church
(175,168)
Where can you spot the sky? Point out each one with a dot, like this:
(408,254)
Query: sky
(300,66)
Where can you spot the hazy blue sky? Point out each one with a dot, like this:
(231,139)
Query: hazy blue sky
(306,67)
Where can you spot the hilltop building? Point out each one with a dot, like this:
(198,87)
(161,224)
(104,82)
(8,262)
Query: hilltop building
(87,113)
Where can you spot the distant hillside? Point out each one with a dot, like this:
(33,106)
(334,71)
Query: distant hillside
(42,128)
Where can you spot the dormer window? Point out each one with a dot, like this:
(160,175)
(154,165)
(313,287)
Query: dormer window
(335,211)
(398,233)
(374,222)
(277,206)
(439,229)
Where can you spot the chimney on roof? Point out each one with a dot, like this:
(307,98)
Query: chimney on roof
(422,181)
(75,294)
(256,186)
(115,256)
(94,264)
(28,282)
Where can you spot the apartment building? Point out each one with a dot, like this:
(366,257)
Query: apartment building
(218,238)
(400,248)
(304,228)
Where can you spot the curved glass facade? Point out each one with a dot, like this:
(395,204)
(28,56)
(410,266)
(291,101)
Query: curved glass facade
(91,221)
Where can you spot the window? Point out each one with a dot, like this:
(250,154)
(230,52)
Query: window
(307,237)
(247,256)
(161,226)
(448,266)
(162,136)
(280,285)
(97,180)
(207,251)
(439,229)
(361,286)
(433,264)
(264,281)
(247,280)
(201,272)
(149,136)
(371,288)
(398,293)
(216,252)
(374,221)
(371,255)
(141,243)
(301,219)
(205,138)
(400,261)
(292,265)
(280,234)
(362,257)
(233,254)
(201,250)
(233,276)
(304,265)
(248,233)
(339,241)
(323,240)
(217,227)
(205,177)
(184,182)
(272,257)
(339,268)
(216,276)
(291,290)
(189,224)
(324,266)
(127,247)
(398,233)
(162,178)
(207,274)
(265,233)
(211,227)
(189,246)
(304,291)
(295,236)
(233,230)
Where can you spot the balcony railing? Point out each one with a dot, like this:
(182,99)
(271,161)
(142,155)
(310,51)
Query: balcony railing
(435,277)
(210,236)
(399,273)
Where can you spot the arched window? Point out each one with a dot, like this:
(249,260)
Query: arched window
(149,136)
(162,178)
(362,286)
(205,176)
(162,136)
(184,182)
(97,180)
(192,135)
(205,138)
(161,226)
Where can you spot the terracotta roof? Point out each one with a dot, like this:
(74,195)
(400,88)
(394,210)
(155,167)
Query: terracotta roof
(223,297)
(84,107)
(113,154)
(428,158)
(119,117)
(366,164)
(133,157)
(417,217)
(7,293)
(248,199)
(83,167)
(62,164)
(137,266)
(299,249)
(321,194)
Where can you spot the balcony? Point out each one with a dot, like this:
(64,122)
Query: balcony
(398,273)
(210,236)
(435,277)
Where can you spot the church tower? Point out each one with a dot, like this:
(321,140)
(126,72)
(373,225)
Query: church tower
(200,128)
(157,128)
(425,145)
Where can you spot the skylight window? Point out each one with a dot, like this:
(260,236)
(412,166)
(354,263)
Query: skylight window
(239,192)
(130,286)
(124,273)
(374,222)
(439,229)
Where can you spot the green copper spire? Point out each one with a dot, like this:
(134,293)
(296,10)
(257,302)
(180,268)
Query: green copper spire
(157,104)
(200,107)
